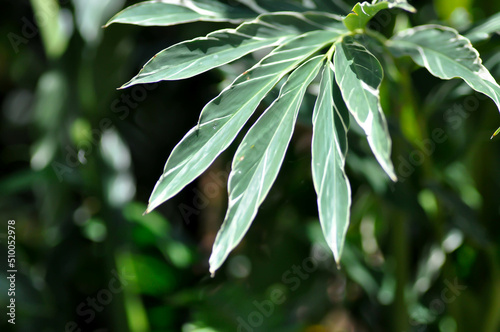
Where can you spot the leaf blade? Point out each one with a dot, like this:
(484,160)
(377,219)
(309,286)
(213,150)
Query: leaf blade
(446,54)
(192,57)
(172,12)
(327,165)
(258,159)
(357,70)
(363,12)
(222,118)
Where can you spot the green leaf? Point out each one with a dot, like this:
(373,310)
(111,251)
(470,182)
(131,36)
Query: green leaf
(223,117)
(258,160)
(55,37)
(446,55)
(359,74)
(190,58)
(484,30)
(328,160)
(172,12)
(363,12)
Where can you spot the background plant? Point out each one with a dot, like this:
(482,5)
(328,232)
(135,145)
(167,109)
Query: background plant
(350,79)
(406,244)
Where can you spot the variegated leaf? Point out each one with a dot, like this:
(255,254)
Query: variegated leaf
(363,12)
(484,30)
(446,55)
(359,74)
(328,160)
(172,12)
(192,57)
(223,117)
(258,160)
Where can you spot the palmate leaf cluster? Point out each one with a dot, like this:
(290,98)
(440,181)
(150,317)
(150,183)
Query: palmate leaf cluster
(310,44)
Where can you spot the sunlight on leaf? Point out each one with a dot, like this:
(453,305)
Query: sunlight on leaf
(258,160)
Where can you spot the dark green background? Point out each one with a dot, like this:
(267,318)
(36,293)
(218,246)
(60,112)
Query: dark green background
(79,159)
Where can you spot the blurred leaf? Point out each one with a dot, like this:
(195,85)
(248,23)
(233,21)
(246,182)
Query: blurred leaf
(154,221)
(172,12)
(359,74)
(152,275)
(328,160)
(258,160)
(485,29)
(95,230)
(223,117)
(91,15)
(18,182)
(358,272)
(179,254)
(132,268)
(54,36)
(464,217)
(447,9)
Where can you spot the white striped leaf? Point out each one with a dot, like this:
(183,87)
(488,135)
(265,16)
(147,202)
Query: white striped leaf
(329,148)
(192,57)
(363,12)
(223,117)
(446,55)
(258,160)
(359,74)
(172,12)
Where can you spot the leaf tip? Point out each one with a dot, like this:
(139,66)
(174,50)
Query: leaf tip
(393,177)
(124,86)
(495,133)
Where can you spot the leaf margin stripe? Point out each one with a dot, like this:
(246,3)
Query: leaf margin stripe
(326,116)
(198,14)
(285,26)
(375,120)
(238,217)
(363,12)
(167,188)
(488,85)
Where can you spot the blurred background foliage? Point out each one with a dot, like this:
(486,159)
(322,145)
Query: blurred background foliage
(80,158)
